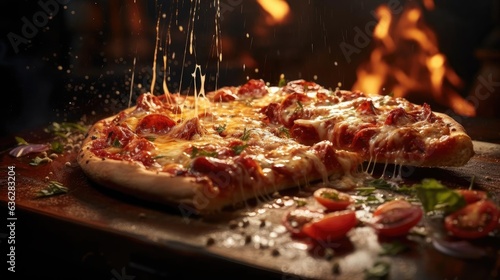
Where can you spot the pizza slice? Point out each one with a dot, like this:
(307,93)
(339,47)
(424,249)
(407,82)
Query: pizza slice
(239,143)
(379,128)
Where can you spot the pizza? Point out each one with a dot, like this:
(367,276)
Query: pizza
(214,151)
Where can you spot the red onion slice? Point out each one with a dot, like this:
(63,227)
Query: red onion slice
(23,150)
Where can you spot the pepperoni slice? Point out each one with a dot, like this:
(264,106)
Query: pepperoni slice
(399,117)
(155,123)
(253,88)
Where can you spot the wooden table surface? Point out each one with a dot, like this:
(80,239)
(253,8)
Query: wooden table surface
(93,233)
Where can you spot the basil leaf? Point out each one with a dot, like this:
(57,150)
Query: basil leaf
(434,196)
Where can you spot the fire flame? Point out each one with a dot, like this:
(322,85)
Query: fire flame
(278,10)
(406,62)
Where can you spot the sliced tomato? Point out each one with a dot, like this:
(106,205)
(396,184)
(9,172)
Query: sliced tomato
(472,196)
(332,226)
(396,217)
(332,199)
(295,219)
(475,220)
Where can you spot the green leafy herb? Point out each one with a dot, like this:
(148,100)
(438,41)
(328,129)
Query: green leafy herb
(434,196)
(57,147)
(284,131)
(239,149)
(282,81)
(300,201)
(150,138)
(195,152)
(365,191)
(116,143)
(21,141)
(220,128)
(393,248)
(299,107)
(379,270)
(54,188)
(246,134)
(384,185)
(380,184)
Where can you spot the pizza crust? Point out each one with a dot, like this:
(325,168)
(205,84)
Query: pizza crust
(453,150)
(185,193)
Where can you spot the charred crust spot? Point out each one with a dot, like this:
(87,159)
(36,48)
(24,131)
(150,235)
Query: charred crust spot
(103,159)
(87,162)
(93,137)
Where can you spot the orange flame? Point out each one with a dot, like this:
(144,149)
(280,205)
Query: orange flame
(278,10)
(406,61)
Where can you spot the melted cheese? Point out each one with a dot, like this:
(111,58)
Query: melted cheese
(240,122)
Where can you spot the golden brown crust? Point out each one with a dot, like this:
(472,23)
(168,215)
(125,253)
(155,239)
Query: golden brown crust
(183,192)
(453,150)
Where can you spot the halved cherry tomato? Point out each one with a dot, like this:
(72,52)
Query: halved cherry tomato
(472,196)
(332,226)
(396,217)
(332,199)
(295,219)
(475,220)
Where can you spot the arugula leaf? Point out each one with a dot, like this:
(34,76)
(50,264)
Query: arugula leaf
(54,188)
(434,196)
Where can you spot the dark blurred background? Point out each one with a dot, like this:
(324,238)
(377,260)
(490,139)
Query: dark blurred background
(64,60)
